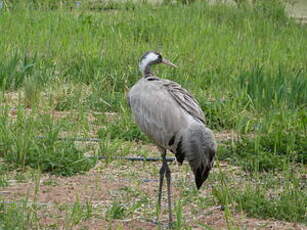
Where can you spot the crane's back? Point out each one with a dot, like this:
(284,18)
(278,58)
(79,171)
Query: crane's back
(155,111)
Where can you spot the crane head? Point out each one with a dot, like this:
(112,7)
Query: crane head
(150,58)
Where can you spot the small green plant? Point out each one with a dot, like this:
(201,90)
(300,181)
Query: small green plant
(80,212)
(3,181)
(116,211)
(32,90)
(50,182)
(3,175)
(224,197)
(14,70)
(179,223)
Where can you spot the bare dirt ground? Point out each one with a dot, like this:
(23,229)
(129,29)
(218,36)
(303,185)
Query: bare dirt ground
(299,9)
(128,182)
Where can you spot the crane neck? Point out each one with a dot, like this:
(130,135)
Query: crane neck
(145,69)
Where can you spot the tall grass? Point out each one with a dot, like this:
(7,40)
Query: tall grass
(91,47)
(21,147)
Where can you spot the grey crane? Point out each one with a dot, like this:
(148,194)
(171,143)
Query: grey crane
(173,119)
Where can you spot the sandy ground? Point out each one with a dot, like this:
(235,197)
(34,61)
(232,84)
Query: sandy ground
(299,9)
(127,182)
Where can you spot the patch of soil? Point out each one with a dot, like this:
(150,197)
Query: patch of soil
(107,183)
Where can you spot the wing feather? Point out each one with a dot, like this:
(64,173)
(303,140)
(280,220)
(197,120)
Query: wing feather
(185,99)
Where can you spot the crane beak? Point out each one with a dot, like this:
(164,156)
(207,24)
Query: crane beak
(167,62)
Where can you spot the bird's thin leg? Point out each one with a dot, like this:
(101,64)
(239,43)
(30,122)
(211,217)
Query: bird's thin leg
(162,173)
(168,180)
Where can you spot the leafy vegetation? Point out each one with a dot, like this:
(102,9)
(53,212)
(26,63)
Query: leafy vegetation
(22,147)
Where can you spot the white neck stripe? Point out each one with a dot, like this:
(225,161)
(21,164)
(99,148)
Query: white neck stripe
(147,60)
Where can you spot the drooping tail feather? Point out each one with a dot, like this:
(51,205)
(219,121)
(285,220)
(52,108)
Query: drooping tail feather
(202,172)
(199,149)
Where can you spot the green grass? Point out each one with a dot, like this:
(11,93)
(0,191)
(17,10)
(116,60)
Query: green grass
(21,147)
(278,196)
(286,206)
(116,211)
(245,65)
(16,216)
(122,128)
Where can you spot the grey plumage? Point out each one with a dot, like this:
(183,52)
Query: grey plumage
(173,119)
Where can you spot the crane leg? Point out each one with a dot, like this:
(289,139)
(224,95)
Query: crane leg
(168,180)
(165,171)
(162,173)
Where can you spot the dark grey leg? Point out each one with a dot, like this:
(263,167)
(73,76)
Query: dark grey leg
(162,173)
(168,180)
(165,170)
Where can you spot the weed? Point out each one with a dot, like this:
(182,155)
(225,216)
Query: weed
(31,92)
(116,211)
(50,182)
(80,212)
(3,181)
(15,70)
(179,223)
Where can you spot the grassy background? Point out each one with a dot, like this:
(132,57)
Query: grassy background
(246,66)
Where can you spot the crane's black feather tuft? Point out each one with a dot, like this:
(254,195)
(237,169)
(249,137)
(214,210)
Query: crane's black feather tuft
(172,140)
(202,172)
(201,175)
(152,79)
(179,152)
